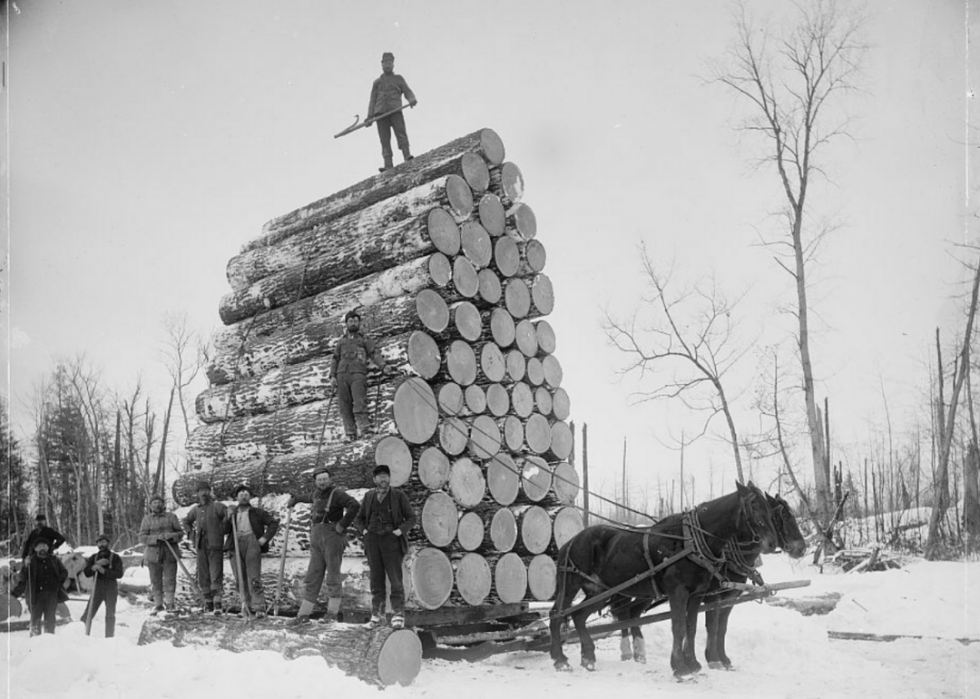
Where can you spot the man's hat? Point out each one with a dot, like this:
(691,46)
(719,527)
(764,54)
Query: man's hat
(41,518)
(102,537)
(387,56)
(381,468)
(322,468)
(202,485)
(241,488)
(352,314)
(158,497)
(42,540)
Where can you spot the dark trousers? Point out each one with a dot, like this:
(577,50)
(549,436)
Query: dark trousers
(211,573)
(107,591)
(384,555)
(352,398)
(326,557)
(397,122)
(44,605)
(249,559)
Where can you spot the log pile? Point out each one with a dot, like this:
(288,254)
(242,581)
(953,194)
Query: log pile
(441,259)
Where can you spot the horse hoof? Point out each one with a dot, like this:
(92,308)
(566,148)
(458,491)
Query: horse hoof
(716,665)
(589,666)
(642,659)
(563,666)
(626,656)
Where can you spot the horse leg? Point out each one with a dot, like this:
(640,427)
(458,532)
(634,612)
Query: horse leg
(678,626)
(588,645)
(723,615)
(690,632)
(639,646)
(711,645)
(625,651)
(562,602)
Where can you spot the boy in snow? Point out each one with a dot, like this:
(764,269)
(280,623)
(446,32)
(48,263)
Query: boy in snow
(107,567)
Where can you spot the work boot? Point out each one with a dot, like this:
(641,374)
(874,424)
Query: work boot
(168,601)
(300,620)
(303,615)
(157,610)
(408,156)
(218,608)
(389,163)
(350,437)
(376,621)
(398,620)
(364,428)
(208,606)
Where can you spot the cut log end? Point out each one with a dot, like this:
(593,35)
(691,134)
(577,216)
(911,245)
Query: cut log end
(423,354)
(491,214)
(400,658)
(443,232)
(415,411)
(475,172)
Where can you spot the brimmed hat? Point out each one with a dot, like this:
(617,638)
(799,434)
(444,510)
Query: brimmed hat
(387,55)
(353,313)
(41,517)
(323,468)
(241,488)
(42,540)
(381,468)
(158,497)
(102,537)
(202,485)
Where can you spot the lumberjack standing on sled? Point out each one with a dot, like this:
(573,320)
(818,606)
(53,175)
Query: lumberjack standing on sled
(332,511)
(386,96)
(208,537)
(349,371)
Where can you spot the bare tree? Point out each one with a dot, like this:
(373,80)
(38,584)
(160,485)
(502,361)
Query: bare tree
(690,338)
(185,354)
(790,83)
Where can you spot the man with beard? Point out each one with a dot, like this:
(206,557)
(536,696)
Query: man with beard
(386,96)
(332,511)
(42,579)
(254,528)
(107,567)
(206,525)
(349,371)
(41,529)
(161,531)
(385,517)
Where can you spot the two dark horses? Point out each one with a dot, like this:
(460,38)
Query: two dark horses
(680,559)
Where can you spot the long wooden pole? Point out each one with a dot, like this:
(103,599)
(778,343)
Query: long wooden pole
(585,473)
(282,563)
(240,570)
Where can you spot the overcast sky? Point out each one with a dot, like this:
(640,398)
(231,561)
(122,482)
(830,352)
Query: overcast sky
(149,140)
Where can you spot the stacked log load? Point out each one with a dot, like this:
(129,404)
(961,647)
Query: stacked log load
(441,259)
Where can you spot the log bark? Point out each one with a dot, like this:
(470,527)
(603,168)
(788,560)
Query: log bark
(537,433)
(466,483)
(344,259)
(521,222)
(474,400)
(381,656)
(561,440)
(502,328)
(450,193)
(498,400)
(561,405)
(503,479)
(466,320)
(454,434)
(527,338)
(534,526)
(565,482)
(517,297)
(489,291)
(553,373)
(513,430)
(491,214)
(542,295)
(492,365)
(507,182)
(566,523)
(454,158)
(439,519)
(450,397)
(460,362)
(509,578)
(433,468)
(522,401)
(545,336)
(516,365)
(484,439)
(535,478)
(428,577)
(473,578)
(475,243)
(535,371)
(471,532)
(466,280)
(503,530)
(542,577)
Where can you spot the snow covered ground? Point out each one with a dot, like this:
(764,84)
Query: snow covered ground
(777,653)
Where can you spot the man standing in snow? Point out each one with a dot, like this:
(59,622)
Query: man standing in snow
(41,529)
(386,96)
(254,528)
(385,517)
(206,525)
(42,579)
(349,371)
(107,567)
(161,531)
(332,511)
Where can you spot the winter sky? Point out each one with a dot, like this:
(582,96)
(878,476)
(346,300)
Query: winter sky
(148,141)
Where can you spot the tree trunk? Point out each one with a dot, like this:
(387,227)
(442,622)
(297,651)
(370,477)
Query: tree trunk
(545,335)
(484,439)
(521,222)
(543,402)
(498,399)
(513,430)
(533,258)
(381,656)
(460,362)
(501,325)
(433,468)
(522,400)
(474,400)
(466,321)
(561,440)
(466,279)
(537,433)
(553,373)
(561,404)
(454,158)
(454,434)
(542,295)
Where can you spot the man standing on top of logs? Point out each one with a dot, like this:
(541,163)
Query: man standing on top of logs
(332,511)
(160,531)
(386,96)
(385,518)
(208,522)
(349,371)
(255,528)
(41,529)
(107,567)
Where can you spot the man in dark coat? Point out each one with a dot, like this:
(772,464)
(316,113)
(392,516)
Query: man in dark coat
(107,567)
(386,95)
(385,518)
(206,526)
(254,528)
(332,511)
(349,371)
(42,579)
(41,529)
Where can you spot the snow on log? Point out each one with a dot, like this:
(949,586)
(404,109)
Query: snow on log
(428,577)
(542,577)
(535,478)
(491,213)
(473,578)
(507,183)
(450,193)
(468,157)
(381,656)
(344,258)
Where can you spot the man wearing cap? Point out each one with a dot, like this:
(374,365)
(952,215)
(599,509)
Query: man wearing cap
(349,371)
(107,567)
(331,512)
(161,531)
(41,529)
(386,96)
(42,579)
(206,524)
(385,518)
(254,528)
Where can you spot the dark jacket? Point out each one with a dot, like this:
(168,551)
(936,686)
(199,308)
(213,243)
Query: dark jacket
(263,524)
(402,514)
(41,577)
(386,94)
(206,525)
(154,530)
(114,570)
(350,355)
(343,506)
(52,535)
